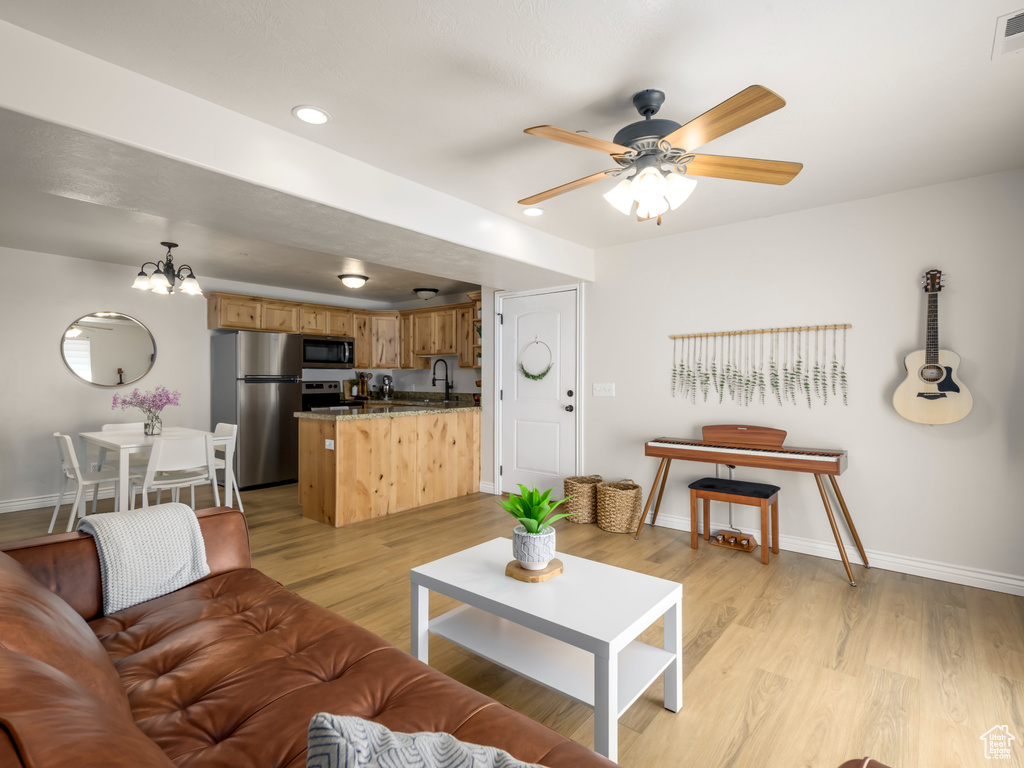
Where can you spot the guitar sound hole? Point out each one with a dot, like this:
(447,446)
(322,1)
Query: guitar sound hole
(932,373)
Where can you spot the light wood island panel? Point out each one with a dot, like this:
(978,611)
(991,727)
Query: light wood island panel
(381,466)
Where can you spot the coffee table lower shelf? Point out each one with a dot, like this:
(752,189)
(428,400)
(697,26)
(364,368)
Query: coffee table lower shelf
(547,660)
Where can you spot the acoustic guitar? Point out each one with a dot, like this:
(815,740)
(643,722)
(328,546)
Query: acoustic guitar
(932,393)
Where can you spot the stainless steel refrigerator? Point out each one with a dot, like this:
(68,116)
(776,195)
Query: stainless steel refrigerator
(256,382)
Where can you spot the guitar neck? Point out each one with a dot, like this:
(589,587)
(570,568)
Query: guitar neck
(931,349)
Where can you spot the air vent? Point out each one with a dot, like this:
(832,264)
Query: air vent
(1009,34)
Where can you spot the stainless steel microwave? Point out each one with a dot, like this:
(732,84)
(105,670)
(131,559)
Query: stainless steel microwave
(328,352)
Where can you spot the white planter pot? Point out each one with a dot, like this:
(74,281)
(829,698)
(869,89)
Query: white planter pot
(533,551)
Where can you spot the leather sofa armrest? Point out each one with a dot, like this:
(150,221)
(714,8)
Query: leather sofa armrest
(67,564)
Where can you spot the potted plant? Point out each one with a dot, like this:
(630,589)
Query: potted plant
(533,540)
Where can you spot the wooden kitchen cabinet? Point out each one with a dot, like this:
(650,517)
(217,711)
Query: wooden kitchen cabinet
(363,339)
(280,316)
(445,333)
(384,330)
(339,322)
(467,333)
(226,311)
(423,333)
(407,358)
(313,319)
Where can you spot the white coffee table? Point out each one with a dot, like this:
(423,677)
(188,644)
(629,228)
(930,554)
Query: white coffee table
(575,634)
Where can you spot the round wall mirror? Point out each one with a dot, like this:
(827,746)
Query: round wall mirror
(108,349)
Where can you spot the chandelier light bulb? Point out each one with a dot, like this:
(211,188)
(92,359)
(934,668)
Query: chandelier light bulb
(142,281)
(677,188)
(191,286)
(648,186)
(158,283)
(652,210)
(620,197)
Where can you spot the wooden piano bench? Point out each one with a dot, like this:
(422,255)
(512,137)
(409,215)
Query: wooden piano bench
(760,495)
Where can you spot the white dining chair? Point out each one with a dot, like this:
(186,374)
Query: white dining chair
(227,430)
(71,470)
(176,463)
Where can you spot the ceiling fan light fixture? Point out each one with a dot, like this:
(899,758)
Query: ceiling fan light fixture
(353,281)
(533,212)
(651,210)
(620,197)
(678,188)
(648,186)
(425,293)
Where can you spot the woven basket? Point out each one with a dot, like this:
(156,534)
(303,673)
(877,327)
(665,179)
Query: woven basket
(582,507)
(618,506)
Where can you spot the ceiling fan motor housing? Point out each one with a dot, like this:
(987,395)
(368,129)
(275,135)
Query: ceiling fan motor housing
(645,129)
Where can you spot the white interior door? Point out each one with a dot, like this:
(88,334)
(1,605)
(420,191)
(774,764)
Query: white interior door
(538,416)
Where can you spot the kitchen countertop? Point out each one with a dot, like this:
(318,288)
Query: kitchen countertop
(378,409)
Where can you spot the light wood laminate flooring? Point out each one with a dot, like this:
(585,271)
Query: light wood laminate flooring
(784,664)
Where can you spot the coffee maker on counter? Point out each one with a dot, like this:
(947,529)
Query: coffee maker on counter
(387,387)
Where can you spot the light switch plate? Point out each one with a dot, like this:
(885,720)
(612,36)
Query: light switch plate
(329,445)
(604,390)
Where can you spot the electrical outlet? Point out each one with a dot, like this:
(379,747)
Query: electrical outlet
(329,445)
(94,466)
(604,390)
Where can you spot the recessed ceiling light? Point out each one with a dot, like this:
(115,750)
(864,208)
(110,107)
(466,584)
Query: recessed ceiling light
(312,115)
(533,212)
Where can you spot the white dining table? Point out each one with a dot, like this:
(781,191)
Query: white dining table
(126,443)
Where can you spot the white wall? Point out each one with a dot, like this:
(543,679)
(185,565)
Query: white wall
(933,500)
(40,296)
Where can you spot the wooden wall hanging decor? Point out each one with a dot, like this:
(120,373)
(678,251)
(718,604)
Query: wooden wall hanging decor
(795,365)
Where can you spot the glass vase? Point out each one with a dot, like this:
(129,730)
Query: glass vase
(153,425)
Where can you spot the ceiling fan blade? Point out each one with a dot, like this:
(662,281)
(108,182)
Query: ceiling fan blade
(745,107)
(743,169)
(576,139)
(542,196)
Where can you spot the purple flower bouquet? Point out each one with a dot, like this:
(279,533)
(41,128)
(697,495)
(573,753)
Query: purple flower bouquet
(150,403)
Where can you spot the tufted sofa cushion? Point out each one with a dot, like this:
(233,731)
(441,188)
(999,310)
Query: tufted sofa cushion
(230,670)
(227,671)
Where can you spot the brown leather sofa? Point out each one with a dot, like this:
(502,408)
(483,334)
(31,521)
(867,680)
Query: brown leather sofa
(227,671)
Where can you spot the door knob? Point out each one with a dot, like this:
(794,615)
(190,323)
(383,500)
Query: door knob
(569,408)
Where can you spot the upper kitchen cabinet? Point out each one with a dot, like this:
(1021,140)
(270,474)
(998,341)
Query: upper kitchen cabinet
(408,358)
(363,339)
(251,313)
(384,330)
(230,311)
(467,333)
(339,322)
(280,316)
(313,319)
(445,334)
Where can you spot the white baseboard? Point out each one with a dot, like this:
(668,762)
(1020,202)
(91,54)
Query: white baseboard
(958,574)
(487,488)
(49,500)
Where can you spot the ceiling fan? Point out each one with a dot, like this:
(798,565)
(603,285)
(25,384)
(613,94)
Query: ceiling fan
(653,145)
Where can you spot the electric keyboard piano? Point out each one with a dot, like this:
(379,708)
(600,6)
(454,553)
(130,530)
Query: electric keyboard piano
(749,446)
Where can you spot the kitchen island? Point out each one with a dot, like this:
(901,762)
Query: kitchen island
(386,458)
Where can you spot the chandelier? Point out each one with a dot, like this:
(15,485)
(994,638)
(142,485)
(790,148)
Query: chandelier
(164,276)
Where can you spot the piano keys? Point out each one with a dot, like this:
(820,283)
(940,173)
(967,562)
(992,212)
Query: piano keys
(761,447)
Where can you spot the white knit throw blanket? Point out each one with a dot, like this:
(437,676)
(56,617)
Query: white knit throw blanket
(145,553)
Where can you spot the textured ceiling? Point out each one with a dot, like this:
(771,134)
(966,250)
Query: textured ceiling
(882,95)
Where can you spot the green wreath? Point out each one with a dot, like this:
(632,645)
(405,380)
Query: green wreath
(542,374)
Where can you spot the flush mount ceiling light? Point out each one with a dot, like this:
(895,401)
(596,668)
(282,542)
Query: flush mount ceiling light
(164,276)
(353,281)
(425,293)
(533,212)
(310,114)
(657,155)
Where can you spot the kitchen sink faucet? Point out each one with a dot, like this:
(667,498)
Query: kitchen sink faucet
(447,384)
